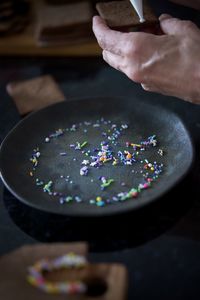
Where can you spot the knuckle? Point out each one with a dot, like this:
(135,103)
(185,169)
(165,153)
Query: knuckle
(132,47)
(101,42)
(185,44)
(127,50)
(188,24)
(131,50)
(135,74)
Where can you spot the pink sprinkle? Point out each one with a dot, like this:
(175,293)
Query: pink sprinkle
(145,185)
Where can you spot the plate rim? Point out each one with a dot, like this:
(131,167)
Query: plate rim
(101,212)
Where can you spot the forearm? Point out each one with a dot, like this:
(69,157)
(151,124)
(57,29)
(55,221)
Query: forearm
(190,3)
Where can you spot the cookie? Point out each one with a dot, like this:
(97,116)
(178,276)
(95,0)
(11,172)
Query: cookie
(122,15)
(103,281)
(64,24)
(33,94)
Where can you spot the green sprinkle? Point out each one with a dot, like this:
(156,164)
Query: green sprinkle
(47,187)
(107,183)
(83,144)
(68,199)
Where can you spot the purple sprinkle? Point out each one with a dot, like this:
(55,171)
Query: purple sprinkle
(63,153)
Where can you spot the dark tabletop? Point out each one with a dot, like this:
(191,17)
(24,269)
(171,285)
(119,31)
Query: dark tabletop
(160,245)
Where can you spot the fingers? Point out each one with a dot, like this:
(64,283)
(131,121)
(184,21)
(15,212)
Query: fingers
(119,43)
(113,60)
(164,17)
(110,40)
(170,25)
(174,26)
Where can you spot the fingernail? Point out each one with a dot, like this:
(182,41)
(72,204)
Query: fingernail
(164,17)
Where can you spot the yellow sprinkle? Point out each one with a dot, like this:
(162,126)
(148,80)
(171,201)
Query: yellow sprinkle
(71,254)
(136,145)
(50,287)
(31,174)
(152,168)
(98,199)
(106,159)
(31,280)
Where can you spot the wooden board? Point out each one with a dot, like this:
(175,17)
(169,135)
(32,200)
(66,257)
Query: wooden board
(24,44)
(14,270)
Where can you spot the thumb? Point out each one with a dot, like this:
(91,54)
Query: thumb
(170,25)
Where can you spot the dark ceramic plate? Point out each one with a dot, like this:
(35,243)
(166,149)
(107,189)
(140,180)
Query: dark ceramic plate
(144,119)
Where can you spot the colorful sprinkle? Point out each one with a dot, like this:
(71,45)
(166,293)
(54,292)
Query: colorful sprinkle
(84,171)
(36,275)
(128,154)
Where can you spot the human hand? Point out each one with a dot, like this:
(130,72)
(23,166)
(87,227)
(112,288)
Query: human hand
(167,64)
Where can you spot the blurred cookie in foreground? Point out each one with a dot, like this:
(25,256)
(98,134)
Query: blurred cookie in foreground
(13,282)
(60,271)
(64,24)
(120,15)
(33,94)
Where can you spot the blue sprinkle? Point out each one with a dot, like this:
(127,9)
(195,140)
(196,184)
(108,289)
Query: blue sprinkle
(100,203)
(77,199)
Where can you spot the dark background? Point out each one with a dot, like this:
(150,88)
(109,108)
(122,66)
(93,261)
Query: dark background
(160,245)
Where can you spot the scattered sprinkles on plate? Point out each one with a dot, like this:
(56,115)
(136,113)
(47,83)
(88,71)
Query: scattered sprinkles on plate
(112,152)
